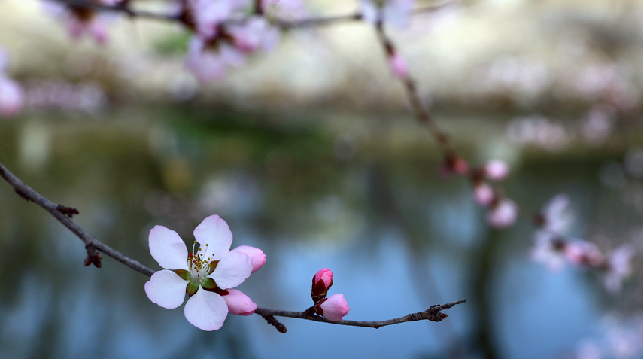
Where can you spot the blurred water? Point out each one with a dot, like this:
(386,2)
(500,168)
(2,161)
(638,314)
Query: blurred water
(397,237)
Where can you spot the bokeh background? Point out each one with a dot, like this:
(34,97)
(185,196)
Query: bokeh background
(311,153)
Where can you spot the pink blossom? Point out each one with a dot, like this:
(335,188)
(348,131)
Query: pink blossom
(239,303)
(398,65)
(620,267)
(583,253)
(454,164)
(496,170)
(255,34)
(394,12)
(256,254)
(80,21)
(333,308)
(205,275)
(11,97)
(484,194)
(208,14)
(210,64)
(546,252)
(556,215)
(504,214)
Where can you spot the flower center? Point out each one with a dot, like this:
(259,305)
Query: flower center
(200,264)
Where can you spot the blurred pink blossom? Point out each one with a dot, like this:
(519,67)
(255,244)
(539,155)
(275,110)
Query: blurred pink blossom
(393,12)
(398,65)
(255,34)
(496,170)
(583,253)
(333,308)
(504,214)
(620,267)
(79,20)
(210,64)
(484,194)
(11,94)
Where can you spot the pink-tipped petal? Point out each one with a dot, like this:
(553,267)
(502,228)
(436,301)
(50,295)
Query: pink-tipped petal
(214,233)
(168,249)
(496,170)
(256,255)
(239,303)
(166,289)
(335,307)
(232,270)
(206,310)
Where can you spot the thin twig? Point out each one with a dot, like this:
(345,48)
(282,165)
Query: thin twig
(434,314)
(61,214)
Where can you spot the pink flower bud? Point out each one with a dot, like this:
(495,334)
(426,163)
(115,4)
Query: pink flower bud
(322,280)
(256,254)
(398,65)
(333,308)
(504,214)
(496,170)
(484,194)
(239,303)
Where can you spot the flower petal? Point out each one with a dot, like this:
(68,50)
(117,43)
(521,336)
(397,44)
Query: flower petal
(166,289)
(232,270)
(215,233)
(168,249)
(335,307)
(239,303)
(206,310)
(256,255)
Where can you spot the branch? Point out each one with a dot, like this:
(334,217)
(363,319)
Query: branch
(434,314)
(63,214)
(126,9)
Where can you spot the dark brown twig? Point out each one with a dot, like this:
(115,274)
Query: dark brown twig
(434,314)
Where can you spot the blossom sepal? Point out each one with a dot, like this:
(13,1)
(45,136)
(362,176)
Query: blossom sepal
(191,289)
(184,274)
(209,283)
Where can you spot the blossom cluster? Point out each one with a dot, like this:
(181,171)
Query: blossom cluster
(334,307)
(11,94)
(554,249)
(503,211)
(208,275)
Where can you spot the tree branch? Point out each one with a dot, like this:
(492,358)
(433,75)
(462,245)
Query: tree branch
(63,214)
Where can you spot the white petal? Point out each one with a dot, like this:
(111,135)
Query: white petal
(166,289)
(214,233)
(206,310)
(168,249)
(232,270)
